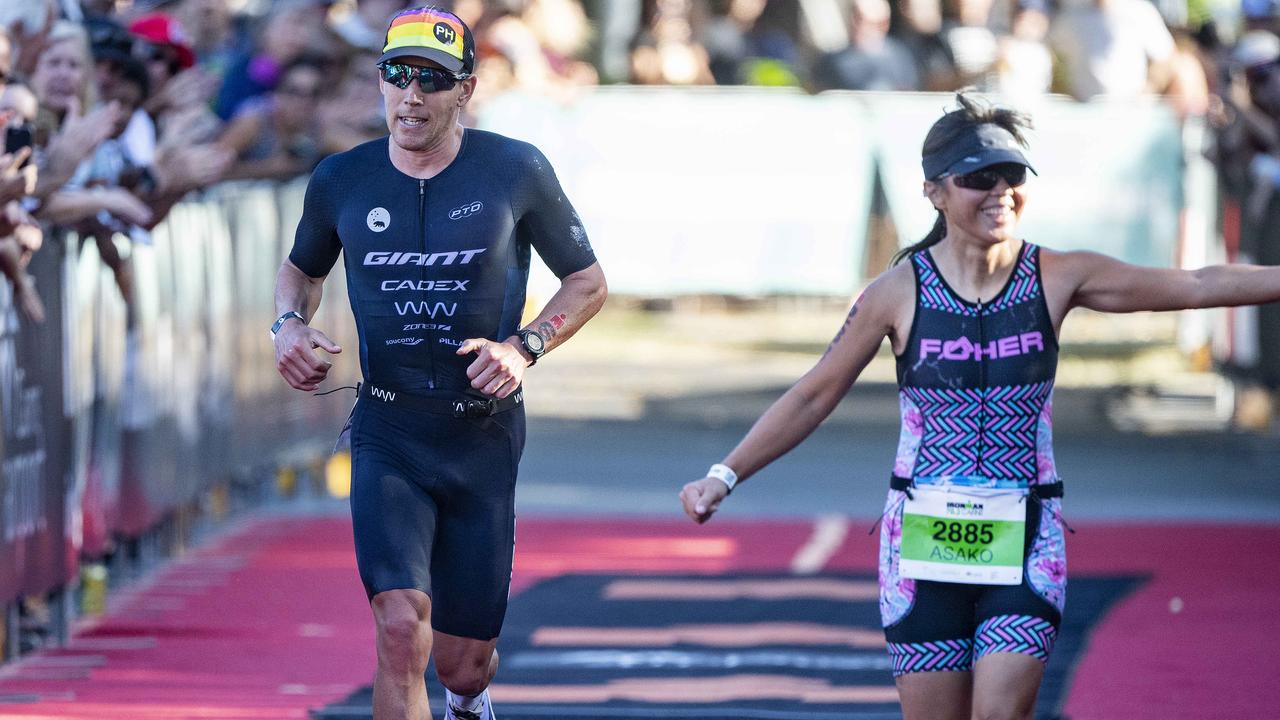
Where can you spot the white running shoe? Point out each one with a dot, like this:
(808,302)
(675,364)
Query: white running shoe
(453,708)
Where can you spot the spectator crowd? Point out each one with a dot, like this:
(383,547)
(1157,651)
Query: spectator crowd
(114,110)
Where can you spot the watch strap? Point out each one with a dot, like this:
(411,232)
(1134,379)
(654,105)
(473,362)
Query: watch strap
(280,321)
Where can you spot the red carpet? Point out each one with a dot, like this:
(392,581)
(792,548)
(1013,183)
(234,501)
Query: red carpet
(270,621)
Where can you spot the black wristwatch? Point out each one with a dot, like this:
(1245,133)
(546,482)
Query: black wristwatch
(275,326)
(533,343)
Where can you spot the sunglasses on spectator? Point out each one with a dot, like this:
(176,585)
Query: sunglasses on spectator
(429,79)
(149,52)
(300,91)
(988,177)
(1259,73)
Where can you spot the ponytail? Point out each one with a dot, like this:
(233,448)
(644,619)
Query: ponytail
(934,237)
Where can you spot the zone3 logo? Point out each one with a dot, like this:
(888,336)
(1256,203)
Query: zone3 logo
(466,210)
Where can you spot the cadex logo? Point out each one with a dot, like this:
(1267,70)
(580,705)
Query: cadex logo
(425,285)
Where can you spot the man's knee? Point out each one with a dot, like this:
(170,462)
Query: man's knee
(466,673)
(404,631)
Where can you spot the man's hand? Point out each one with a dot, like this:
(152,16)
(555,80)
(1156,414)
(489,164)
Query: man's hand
(16,182)
(80,136)
(296,359)
(498,367)
(124,205)
(26,297)
(701,498)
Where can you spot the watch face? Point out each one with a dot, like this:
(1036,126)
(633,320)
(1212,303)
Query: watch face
(534,342)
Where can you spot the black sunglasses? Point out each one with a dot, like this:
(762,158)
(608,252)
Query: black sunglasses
(1259,73)
(429,79)
(988,177)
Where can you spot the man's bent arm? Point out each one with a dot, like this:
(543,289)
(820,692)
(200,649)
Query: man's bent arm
(295,290)
(580,297)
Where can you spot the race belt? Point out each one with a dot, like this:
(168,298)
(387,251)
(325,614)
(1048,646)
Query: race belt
(965,534)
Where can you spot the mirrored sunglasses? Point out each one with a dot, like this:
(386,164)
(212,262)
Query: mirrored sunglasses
(429,79)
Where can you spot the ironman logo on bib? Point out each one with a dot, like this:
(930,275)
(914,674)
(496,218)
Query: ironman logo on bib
(964,535)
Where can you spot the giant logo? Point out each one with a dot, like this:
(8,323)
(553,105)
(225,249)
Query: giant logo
(460,257)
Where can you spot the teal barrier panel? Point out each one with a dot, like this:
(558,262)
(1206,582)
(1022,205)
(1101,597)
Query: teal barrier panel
(740,192)
(1110,173)
(759,191)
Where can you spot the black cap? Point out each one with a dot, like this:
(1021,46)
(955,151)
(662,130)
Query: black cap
(978,147)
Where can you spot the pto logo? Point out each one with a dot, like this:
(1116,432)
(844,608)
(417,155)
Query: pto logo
(963,348)
(466,210)
(445,34)
(378,219)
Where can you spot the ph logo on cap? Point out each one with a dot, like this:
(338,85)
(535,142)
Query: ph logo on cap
(445,34)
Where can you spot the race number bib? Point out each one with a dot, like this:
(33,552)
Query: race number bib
(964,535)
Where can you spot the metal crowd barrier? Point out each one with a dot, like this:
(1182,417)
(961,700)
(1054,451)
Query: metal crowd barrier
(126,426)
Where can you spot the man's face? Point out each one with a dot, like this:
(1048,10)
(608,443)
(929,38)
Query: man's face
(421,118)
(6,60)
(161,61)
(298,94)
(1264,88)
(19,100)
(125,92)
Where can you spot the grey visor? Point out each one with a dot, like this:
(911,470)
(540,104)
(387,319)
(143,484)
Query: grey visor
(980,146)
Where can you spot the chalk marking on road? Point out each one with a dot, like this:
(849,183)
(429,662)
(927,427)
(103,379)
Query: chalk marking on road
(829,532)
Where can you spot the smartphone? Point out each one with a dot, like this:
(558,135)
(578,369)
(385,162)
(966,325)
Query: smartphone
(16,138)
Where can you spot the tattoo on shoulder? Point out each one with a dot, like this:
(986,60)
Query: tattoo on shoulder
(848,320)
(548,328)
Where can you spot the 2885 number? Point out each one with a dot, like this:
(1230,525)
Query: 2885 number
(967,532)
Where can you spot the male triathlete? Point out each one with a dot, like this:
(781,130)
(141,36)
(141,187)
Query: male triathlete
(436,224)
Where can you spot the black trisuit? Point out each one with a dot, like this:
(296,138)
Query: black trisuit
(430,263)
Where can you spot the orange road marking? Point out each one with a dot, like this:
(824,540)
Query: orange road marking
(714,589)
(699,690)
(727,635)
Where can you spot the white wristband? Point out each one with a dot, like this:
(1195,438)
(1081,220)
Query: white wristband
(724,474)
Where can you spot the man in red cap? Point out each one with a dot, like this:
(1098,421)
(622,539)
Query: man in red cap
(436,224)
(164,47)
